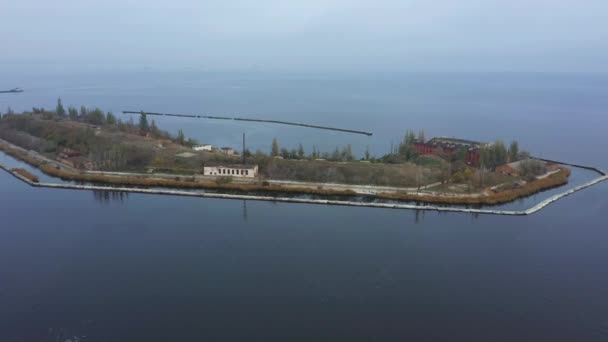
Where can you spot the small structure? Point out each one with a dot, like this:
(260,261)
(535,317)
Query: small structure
(229,151)
(231,170)
(511,169)
(79,162)
(186,154)
(204,147)
(68,153)
(74,159)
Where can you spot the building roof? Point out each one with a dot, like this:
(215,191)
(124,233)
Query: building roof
(516,165)
(231,166)
(455,141)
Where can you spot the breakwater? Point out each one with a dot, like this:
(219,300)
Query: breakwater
(12,91)
(279,122)
(591,168)
(529,211)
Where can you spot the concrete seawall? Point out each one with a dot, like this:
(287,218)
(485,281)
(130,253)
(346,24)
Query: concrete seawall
(529,211)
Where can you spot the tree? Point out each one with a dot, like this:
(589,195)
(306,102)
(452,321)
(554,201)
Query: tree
(367,154)
(336,154)
(83,112)
(500,153)
(347,153)
(410,137)
(300,151)
(285,153)
(96,117)
(191,142)
(143,123)
(10,111)
(275,148)
(181,138)
(314,153)
(60,110)
(493,155)
(154,129)
(513,151)
(73,113)
(531,168)
(421,136)
(406,148)
(110,119)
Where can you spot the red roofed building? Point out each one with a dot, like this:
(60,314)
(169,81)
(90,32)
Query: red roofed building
(451,146)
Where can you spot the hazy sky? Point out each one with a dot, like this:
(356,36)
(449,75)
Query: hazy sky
(493,35)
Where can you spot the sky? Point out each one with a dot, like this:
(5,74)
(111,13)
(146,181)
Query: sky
(409,35)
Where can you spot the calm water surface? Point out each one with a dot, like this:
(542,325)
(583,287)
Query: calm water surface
(118,267)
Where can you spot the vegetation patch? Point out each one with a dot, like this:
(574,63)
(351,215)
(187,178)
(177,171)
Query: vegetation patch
(558,179)
(26,174)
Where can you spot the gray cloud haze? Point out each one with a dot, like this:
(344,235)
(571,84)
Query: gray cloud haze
(510,35)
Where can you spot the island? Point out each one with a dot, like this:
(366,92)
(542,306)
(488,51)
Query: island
(91,145)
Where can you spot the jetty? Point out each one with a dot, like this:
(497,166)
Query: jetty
(534,209)
(279,122)
(14,90)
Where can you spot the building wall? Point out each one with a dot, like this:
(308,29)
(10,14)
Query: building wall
(472,157)
(230,172)
(506,170)
(229,152)
(202,148)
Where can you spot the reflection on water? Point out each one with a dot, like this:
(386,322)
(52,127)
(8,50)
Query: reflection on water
(245,210)
(419,215)
(105,197)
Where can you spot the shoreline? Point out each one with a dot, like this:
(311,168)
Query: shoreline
(56,169)
(536,208)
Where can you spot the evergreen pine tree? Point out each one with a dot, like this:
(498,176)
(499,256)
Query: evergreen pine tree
(275,148)
(60,110)
(143,122)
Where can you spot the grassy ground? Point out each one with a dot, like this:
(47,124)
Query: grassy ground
(401,175)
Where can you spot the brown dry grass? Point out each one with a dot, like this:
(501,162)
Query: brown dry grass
(26,174)
(528,189)
(18,154)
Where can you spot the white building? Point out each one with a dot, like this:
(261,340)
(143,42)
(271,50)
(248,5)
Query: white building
(228,151)
(205,147)
(231,170)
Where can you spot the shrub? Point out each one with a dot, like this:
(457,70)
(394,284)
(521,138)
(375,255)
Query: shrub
(223,180)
